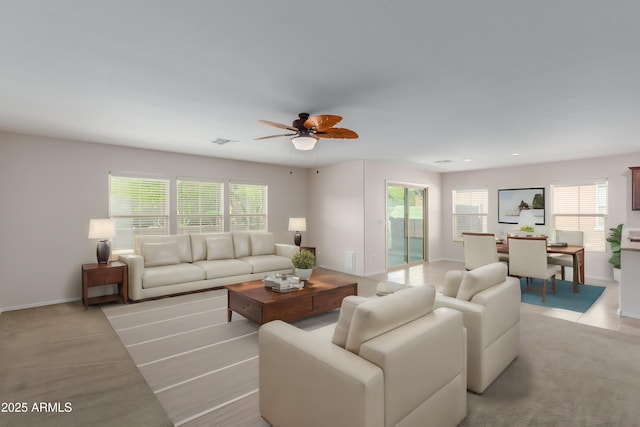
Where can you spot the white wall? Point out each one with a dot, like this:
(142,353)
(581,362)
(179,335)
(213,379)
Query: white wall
(49,189)
(614,169)
(348,209)
(377,175)
(336,206)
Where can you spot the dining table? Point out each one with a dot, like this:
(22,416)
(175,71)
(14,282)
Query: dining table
(576,252)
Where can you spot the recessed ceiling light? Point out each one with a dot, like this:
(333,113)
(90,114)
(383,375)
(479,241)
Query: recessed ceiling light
(467,160)
(221,141)
(515,154)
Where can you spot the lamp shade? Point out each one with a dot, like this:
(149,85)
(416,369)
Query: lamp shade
(297,224)
(101,229)
(526,218)
(304,143)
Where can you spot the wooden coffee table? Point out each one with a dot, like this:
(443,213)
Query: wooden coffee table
(322,292)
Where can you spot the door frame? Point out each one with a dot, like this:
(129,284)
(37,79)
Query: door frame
(425,215)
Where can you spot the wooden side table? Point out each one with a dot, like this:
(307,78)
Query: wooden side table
(311,249)
(112,273)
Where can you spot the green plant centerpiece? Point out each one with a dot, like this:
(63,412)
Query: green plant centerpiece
(303,263)
(615,239)
(527,228)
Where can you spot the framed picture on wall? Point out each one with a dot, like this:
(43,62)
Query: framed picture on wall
(512,201)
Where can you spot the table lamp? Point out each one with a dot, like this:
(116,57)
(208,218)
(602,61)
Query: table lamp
(297,225)
(103,230)
(527,219)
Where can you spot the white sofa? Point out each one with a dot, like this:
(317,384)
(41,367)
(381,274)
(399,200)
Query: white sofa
(490,303)
(393,361)
(170,264)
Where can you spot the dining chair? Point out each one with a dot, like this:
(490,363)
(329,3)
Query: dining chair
(528,259)
(571,237)
(479,249)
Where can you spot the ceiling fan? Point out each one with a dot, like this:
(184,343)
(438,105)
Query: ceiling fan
(307,130)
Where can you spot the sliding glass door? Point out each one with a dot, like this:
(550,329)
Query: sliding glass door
(406,207)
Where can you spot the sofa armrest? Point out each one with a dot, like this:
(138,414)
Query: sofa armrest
(135,265)
(286,250)
(472,312)
(301,375)
(502,307)
(473,319)
(423,361)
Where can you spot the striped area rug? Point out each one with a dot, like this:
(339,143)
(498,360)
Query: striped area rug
(203,369)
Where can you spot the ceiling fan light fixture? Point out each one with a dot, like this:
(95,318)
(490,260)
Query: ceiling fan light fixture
(304,142)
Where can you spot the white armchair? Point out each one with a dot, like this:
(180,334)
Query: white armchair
(490,303)
(403,363)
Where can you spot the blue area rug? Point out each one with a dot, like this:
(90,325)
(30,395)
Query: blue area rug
(564,298)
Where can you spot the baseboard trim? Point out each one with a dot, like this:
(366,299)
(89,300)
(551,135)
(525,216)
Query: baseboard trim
(39,304)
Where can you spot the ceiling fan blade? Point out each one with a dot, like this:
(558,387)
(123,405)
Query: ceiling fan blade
(337,133)
(275,136)
(322,122)
(278,125)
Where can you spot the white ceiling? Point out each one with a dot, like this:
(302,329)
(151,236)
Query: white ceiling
(420,80)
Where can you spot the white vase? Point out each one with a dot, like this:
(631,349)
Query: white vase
(303,273)
(616,274)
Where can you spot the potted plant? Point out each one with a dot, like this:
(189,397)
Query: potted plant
(615,239)
(303,263)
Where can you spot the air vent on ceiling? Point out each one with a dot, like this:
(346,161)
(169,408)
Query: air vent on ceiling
(442,162)
(221,141)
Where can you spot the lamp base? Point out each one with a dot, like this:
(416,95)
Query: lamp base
(103,251)
(297,238)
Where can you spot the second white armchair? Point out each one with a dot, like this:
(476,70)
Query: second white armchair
(490,303)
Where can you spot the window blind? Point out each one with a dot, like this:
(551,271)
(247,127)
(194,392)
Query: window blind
(470,209)
(138,206)
(583,207)
(247,206)
(199,206)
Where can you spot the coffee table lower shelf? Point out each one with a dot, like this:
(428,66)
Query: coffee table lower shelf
(261,305)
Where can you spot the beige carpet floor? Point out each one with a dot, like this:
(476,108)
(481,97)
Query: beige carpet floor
(204,370)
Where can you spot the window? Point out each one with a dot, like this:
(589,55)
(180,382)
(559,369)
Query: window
(247,207)
(138,206)
(470,210)
(583,207)
(199,206)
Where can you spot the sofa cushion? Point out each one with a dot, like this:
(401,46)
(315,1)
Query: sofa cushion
(380,315)
(241,244)
(215,269)
(481,278)
(156,254)
(220,247)
(262,244)
(347,309)
(264,263)
(171,274)
(184,244)
(199,244)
